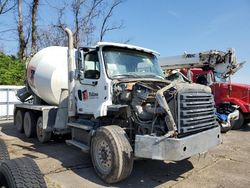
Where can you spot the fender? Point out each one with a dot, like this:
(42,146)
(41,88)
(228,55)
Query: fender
(244,107)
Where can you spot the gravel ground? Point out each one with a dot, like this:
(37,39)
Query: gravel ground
(63,166)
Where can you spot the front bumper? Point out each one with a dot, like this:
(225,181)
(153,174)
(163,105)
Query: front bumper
(176,149)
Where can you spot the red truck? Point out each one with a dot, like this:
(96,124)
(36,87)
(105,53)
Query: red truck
(225,91)
(214,68)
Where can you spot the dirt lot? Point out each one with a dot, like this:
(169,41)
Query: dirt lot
(65,166)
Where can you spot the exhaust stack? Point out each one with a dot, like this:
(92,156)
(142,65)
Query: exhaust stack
(71,70)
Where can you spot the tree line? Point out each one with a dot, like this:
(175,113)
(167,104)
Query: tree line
(86,14)
(91,20)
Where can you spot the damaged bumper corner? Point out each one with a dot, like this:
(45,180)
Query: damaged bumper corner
(176,149)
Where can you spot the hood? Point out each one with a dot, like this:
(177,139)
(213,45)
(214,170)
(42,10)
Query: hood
(247,86)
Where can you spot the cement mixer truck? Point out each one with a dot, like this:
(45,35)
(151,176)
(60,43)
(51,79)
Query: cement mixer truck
(114,101)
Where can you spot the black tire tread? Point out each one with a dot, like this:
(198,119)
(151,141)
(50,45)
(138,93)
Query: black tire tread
(19,113)
(4,154)
(24,172)
(33,124)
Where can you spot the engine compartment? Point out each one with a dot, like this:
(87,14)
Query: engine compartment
(154,108)
(147,115)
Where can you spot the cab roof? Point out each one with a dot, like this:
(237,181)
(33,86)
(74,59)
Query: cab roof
(102,44)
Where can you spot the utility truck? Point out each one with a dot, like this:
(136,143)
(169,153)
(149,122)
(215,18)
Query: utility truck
(114,101)
(213,68)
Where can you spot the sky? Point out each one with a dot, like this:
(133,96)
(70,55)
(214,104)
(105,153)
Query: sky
(174,27)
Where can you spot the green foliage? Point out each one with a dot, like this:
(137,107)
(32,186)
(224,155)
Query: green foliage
(12,70)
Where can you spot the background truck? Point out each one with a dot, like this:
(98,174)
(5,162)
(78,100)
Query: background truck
(116,104)
(214,68)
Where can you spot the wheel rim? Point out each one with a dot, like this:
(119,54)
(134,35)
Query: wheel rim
(102,155)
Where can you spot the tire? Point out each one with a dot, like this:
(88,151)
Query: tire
(247,121)
(4,154)
(29,124)
(19,120)
(21,173)
(237,124)
(111,154)
(42,136)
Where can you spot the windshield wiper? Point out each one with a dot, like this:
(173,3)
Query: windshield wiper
(126,75)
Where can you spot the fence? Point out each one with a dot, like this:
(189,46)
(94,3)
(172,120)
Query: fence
(7,100)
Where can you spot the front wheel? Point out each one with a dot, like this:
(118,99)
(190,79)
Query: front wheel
(111,154)
(237,124)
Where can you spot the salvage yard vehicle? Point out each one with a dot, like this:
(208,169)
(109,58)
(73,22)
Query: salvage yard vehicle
(207,68)
(114,100)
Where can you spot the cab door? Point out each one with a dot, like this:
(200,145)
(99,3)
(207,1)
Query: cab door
(92,90)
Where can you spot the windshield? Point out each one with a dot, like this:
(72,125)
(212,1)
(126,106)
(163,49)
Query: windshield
(127,63)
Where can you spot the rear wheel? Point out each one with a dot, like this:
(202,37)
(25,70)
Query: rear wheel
(42,136)
(19,173)
(237,124)
(19,120)
(111,154)
(29,124)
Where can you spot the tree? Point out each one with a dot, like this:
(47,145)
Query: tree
(54,34)
(30,30)
(105,24)
(34,27)
(6,6)
(86,16)
(88,26)
(76,7)
(12,70)
(84,26)
(22,41)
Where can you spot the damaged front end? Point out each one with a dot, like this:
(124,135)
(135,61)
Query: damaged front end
(171,120)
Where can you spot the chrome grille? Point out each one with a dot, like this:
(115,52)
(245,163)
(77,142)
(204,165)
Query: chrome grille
(195,112)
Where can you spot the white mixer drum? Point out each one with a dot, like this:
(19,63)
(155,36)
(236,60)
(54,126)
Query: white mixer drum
(47,73)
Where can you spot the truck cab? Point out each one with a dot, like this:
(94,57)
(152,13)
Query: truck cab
(103,66)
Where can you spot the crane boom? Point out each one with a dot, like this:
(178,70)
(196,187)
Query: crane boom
(223,63)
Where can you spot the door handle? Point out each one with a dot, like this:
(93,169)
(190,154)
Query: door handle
(94,83)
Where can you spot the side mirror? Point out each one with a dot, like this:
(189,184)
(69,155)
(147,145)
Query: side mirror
(79,73)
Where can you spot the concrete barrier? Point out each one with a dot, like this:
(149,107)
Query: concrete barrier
(7,100)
